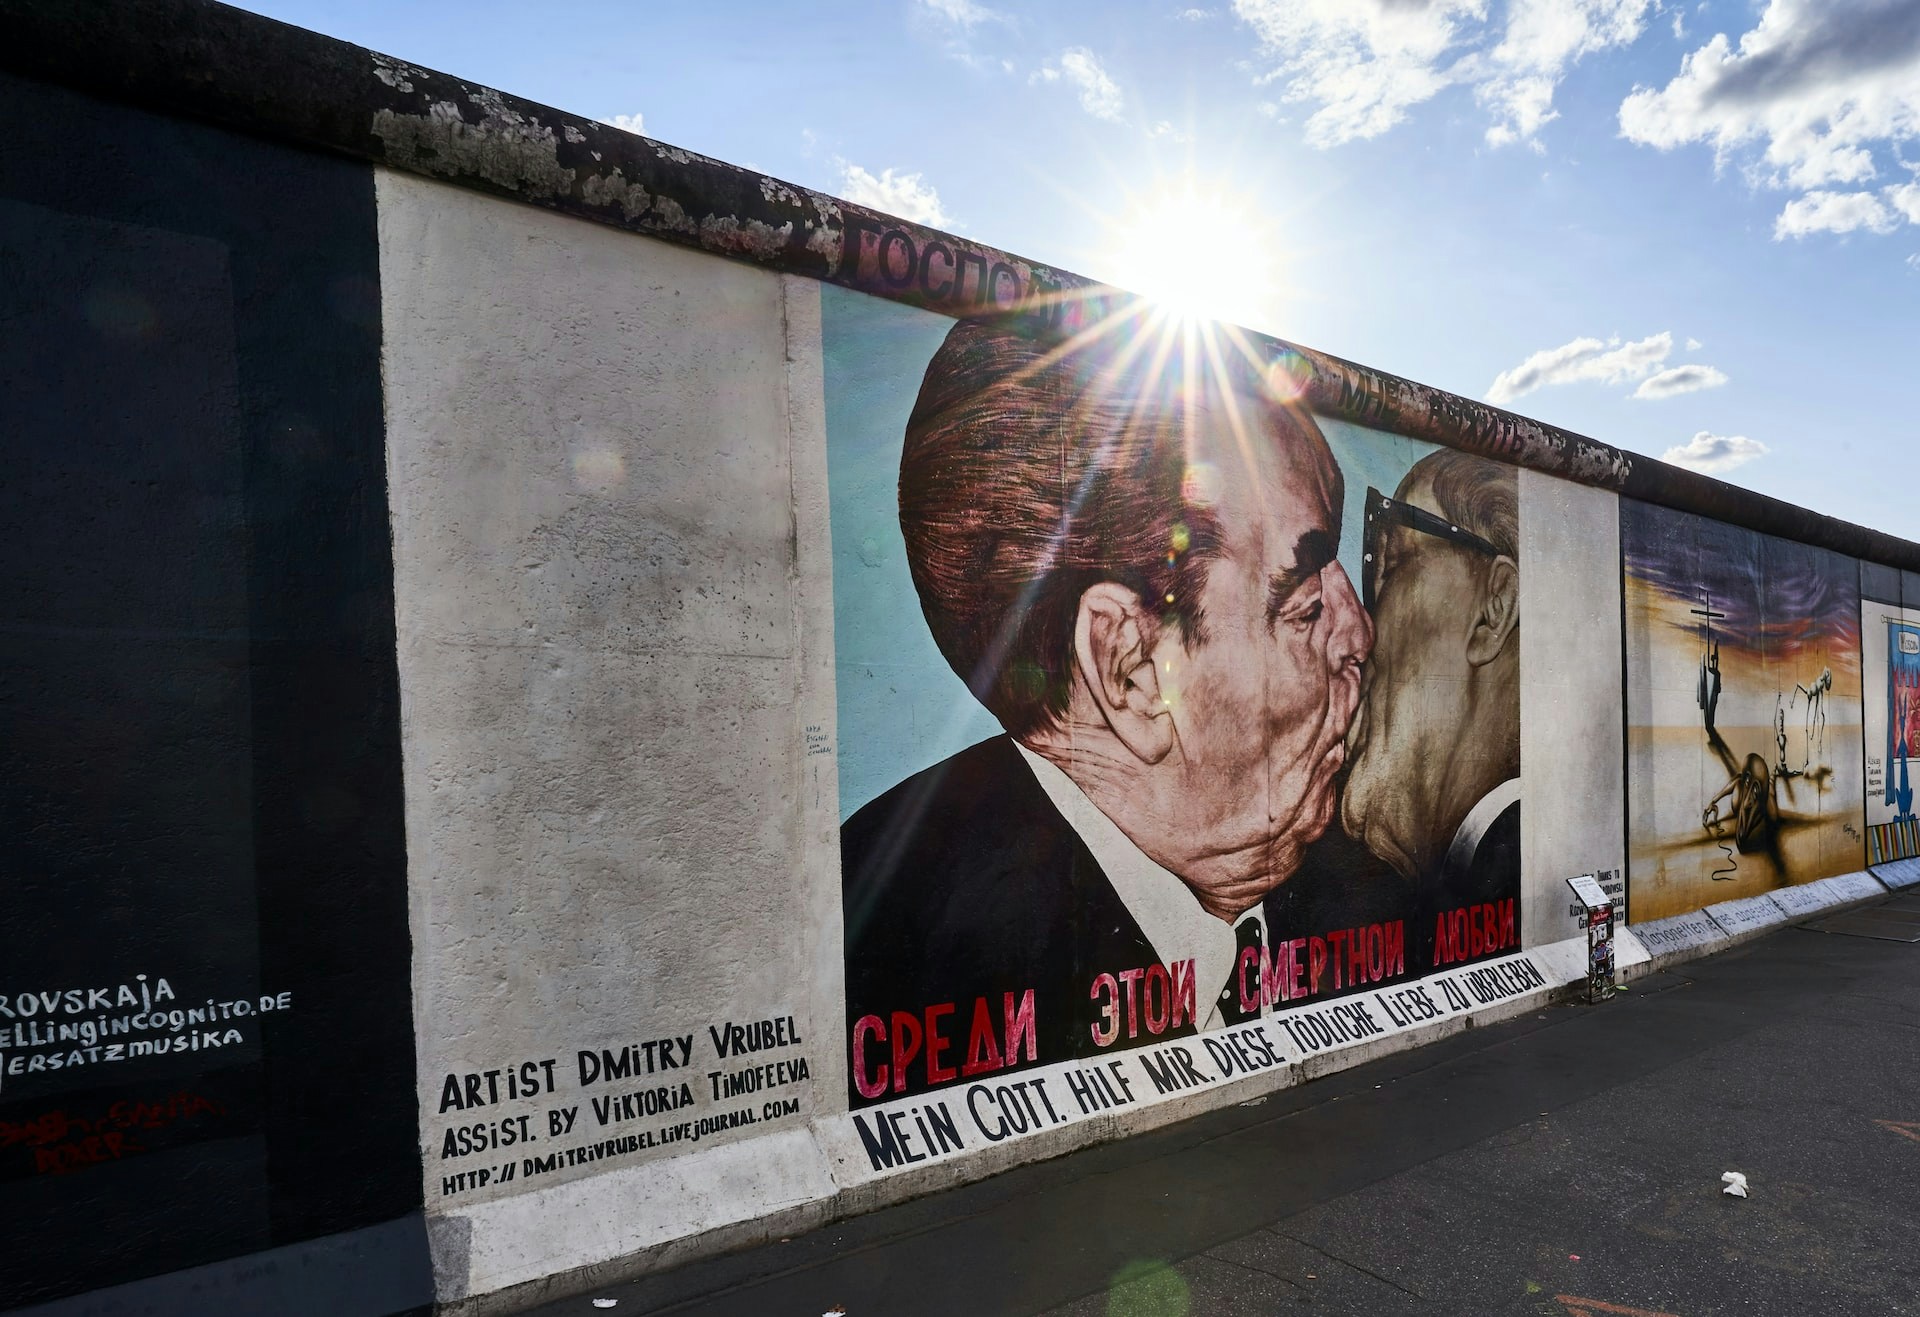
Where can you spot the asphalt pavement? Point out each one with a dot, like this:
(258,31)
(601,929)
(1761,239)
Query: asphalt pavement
(1564,1164)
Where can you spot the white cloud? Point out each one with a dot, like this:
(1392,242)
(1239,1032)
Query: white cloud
(1676,380)
(1611,362)
(1710,454)
(1834,212)
(1100,95)
(1366,63)
(905,195)
(1165,129)
(1195,15)
(1542,40)
(1905,198)
(1913,262)
(957,27)
(1523,105)
(963,14)
(1803,100)
(630,123)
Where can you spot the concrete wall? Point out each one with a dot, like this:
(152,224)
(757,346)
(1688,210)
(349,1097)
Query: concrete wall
(478,595)
(1571,711)
(610,656)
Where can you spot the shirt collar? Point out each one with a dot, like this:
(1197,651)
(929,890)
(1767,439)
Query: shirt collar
(1466,839)
(1166,909)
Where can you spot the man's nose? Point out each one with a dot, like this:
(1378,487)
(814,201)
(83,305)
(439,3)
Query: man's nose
(1350,637)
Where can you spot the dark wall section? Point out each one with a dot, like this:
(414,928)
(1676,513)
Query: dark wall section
(200,796)
(1889,585)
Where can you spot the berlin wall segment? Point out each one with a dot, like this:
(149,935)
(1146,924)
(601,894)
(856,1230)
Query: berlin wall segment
(618,917)
(754,863)
(201,786)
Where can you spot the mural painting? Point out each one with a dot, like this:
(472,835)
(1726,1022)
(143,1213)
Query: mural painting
(1165,706)
(1890,659)
(1743,711)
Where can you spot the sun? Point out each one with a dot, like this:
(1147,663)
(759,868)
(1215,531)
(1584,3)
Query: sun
(1203,254)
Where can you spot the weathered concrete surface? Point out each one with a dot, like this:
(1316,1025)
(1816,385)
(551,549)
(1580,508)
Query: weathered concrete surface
(1899,874)
(1746,917)
(608,671)
(1808,899)
(1680,937)
(1572,724)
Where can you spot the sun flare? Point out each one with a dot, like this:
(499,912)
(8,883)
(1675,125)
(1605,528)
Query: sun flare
(1201,254)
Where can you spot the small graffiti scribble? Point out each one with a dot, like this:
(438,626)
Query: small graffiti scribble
(47,1128)
(61,1142)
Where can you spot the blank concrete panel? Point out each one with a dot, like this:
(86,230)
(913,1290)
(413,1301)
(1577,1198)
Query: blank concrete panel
(597,526)
(1571,730)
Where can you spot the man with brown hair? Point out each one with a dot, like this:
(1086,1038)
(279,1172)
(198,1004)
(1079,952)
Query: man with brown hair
(1127,553)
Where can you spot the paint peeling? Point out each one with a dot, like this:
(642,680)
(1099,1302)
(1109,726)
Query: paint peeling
(762,242)
(574,135)
(671,216)
(776,191)
(673,154)
(614,190)
(504,148)
(395,73)
(827,242)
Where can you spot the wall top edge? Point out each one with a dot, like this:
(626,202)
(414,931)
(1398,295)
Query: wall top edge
(258,75)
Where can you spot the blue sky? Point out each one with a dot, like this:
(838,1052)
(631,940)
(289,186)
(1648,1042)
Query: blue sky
(1677,227)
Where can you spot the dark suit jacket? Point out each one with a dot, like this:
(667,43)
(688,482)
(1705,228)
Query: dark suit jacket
(965,883)
(1492,875)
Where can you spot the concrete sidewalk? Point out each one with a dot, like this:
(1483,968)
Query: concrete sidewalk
(1564,1163)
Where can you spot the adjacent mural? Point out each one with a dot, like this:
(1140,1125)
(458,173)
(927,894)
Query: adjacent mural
(1890,662)
(206,1030)
(1743,711)
(1164,705)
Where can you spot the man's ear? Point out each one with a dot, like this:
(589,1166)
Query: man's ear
(1498,614)
(1113,650)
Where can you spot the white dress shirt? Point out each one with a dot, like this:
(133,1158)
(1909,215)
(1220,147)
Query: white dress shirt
(1166,909)
(1466,838)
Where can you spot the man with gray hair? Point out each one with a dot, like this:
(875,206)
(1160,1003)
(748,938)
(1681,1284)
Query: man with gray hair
(1434,783)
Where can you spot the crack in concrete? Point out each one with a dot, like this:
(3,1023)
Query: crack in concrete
(1335,1257)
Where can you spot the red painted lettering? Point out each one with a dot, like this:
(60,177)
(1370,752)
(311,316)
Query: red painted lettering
(868,1084)
(937,1044)
(983,1049)
(906,1045)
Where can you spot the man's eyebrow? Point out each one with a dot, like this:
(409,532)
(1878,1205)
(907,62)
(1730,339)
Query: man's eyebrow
(1311,553)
